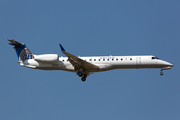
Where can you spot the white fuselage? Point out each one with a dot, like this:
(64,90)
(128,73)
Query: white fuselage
(103,62)
(84,66)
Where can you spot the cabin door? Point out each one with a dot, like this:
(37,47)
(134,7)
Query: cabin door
(138,61)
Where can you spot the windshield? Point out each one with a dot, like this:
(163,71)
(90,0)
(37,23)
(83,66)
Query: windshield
(154,58)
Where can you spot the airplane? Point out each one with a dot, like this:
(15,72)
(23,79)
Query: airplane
(85,66)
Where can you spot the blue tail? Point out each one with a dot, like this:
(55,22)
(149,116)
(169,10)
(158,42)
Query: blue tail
(22,51)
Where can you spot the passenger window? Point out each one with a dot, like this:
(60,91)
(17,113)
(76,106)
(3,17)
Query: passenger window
(130,58)
(108,59)
(112,59)
(121,59)
(63,60)
(89,59)
(103,59)
(94,59)
(99,59)
(117,59)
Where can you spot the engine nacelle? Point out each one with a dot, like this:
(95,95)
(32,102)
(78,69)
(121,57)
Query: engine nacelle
(47,58)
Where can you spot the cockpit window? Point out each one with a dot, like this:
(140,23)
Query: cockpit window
(154,58)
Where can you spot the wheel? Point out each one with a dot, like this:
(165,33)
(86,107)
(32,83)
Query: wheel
(83,79)
(161,73)
(80,74)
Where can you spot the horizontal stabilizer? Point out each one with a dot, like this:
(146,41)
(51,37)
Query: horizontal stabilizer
(15,43)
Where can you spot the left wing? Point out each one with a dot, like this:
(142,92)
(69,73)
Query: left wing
(77,62)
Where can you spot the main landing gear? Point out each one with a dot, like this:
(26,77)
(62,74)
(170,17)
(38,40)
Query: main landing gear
(83,79)
(82,75)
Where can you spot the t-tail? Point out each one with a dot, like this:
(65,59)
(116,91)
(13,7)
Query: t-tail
(22,51)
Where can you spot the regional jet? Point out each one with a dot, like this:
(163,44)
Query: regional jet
(84,66)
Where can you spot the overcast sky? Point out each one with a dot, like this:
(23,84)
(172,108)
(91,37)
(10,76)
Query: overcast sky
(90,28)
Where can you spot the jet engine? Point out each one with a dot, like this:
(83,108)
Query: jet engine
(47,58)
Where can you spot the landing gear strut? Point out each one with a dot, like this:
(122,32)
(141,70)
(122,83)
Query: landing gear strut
(161,73)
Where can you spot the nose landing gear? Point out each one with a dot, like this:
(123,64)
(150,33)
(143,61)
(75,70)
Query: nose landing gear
(161,73)
(165,68)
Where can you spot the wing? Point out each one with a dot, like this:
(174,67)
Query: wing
(79,63)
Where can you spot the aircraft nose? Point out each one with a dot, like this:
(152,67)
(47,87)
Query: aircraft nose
(166,63)
(171,65)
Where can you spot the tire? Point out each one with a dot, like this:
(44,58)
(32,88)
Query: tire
(83,79)
(161,73)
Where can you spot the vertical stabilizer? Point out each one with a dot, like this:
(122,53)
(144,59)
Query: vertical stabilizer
(22,51)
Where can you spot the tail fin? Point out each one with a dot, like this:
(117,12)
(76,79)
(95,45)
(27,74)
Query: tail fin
(22,51)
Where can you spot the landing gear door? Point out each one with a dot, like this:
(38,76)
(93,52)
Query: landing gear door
(138,61)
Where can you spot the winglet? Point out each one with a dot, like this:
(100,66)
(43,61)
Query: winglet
(62,49)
